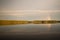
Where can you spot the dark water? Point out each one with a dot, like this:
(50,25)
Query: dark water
(30,28)
(30,31)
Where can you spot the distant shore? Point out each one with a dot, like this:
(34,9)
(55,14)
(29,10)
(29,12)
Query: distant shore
(13,22)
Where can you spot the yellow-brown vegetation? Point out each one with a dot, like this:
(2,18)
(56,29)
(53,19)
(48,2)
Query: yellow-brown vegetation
(13,22)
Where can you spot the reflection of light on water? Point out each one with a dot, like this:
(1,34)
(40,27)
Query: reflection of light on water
(49,25)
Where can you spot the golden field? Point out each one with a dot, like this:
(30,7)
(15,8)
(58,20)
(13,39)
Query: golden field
(13,22)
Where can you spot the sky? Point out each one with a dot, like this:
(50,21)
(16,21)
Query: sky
(29,9)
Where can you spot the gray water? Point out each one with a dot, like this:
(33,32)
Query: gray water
(31,28)
(30,31)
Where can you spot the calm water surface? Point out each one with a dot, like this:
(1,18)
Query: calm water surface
(30,28)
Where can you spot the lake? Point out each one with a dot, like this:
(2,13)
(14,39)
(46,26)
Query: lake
(30,31)
(31,28)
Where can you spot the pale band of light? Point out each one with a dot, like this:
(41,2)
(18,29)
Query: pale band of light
(30,11)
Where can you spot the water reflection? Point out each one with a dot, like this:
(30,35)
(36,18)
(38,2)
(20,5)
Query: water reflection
(31,28)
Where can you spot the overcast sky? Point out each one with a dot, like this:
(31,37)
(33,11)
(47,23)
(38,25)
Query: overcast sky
(29,9)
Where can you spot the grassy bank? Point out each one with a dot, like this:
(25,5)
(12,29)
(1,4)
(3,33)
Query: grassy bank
(13,22)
